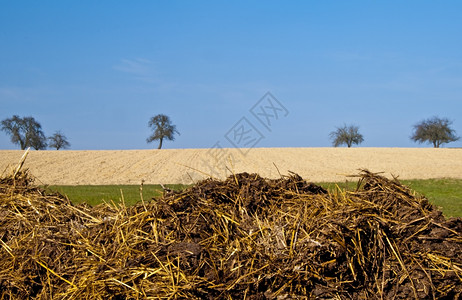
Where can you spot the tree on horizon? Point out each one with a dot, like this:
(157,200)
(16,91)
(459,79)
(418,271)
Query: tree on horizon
(58,141)
(435,130)
(25,132)
(346,135)
(163,129)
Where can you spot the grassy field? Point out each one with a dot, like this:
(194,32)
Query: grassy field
(96,194)
(444,193)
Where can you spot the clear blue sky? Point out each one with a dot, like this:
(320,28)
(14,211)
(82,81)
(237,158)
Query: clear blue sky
(98,70)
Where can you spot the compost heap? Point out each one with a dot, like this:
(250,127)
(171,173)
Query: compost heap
(242,238)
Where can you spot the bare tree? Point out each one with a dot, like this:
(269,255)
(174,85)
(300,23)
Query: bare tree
(25,132)
(347,135)
(434,130)
(58,141)
(38,140)
(163,129)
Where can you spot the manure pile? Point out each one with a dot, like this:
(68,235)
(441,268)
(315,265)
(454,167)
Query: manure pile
(242,238)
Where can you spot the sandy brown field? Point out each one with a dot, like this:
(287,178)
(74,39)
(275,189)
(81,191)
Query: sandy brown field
(189,165)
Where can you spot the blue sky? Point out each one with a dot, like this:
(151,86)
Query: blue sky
(98,70)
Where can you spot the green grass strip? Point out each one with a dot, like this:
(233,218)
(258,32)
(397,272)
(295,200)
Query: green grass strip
(446,194)
(97,194)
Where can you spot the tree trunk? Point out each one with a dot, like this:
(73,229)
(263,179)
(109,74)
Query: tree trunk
(160,143)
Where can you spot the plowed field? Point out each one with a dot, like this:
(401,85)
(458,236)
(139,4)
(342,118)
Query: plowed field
(190,165)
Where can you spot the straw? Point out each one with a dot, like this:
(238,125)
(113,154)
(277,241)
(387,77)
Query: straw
(243,237)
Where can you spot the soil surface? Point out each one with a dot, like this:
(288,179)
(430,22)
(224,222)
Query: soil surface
(186,166)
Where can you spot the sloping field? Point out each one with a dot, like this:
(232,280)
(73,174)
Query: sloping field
(190,165)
